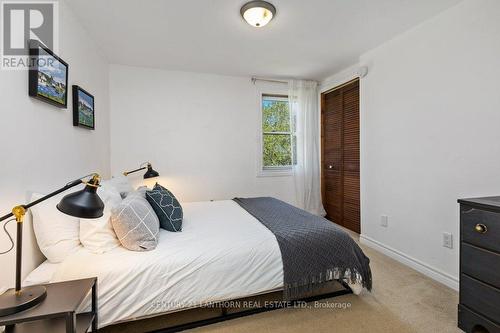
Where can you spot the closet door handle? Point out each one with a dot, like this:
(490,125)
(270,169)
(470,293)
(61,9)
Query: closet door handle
(330,167)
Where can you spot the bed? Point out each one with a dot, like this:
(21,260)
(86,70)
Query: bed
(223,253)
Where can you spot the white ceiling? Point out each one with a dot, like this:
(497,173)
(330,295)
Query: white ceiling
(307,39)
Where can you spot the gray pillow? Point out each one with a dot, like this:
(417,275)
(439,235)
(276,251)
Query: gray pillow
(166,207)
(136,224)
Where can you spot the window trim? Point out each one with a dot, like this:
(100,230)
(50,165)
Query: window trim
(271,171)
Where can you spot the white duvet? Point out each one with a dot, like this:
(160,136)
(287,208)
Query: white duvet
(222,253)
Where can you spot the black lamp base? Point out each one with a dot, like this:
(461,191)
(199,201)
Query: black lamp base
(12,302)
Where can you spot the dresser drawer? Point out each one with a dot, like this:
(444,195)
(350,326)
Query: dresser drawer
(481,264)
(471,322)
(480,298)
(470,217)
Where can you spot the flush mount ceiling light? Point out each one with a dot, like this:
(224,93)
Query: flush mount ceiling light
(258,13)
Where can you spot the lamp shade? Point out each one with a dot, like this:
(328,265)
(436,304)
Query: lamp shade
(150,173)
(84,204)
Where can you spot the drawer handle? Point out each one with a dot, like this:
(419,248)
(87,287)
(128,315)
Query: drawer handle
(481,228)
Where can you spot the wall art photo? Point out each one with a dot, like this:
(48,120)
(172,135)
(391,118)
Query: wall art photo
(83,108)
(48,75)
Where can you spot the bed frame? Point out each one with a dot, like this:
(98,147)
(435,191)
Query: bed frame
(221,311)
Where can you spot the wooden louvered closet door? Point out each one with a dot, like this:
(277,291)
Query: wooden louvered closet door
(340,155)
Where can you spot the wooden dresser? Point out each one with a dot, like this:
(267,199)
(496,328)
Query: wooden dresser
(479,308)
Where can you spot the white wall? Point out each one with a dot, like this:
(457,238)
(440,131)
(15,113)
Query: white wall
(200,131)
(41,150)
(430,133)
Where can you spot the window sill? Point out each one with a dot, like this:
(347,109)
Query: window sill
(275,173)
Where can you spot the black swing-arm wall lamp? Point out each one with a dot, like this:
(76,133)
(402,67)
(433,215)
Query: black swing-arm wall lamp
(83,204)
(150,173)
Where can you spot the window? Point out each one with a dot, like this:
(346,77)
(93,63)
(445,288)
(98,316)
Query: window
(278,134)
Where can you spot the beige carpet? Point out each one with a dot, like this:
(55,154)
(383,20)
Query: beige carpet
(402,300)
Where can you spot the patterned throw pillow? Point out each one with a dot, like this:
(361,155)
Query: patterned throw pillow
(167,208)
(136,224)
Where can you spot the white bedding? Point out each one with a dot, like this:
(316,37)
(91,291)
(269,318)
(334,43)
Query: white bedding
(222,253)
(42,274)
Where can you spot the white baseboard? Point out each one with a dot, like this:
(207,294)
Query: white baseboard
(433,273)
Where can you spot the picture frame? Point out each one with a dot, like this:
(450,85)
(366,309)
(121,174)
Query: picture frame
(83,108)
(48,75)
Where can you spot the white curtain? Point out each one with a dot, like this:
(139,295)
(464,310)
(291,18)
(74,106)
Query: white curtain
(303,98)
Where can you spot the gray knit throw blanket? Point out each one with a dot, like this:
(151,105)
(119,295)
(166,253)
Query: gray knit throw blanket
(313,249)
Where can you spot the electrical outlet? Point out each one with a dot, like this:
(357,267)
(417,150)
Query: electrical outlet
(447,240)
(384,221)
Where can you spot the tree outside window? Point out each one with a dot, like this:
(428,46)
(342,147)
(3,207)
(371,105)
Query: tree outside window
(279,144)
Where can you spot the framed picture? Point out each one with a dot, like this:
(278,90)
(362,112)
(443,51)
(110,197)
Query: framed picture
(83,108)
(48,75)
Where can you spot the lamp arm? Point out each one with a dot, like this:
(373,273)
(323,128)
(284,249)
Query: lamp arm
(126,173)
(5,217)
(20,210)
(56,192)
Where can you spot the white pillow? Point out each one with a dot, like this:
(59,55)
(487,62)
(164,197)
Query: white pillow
(57,234)
(97,235)
(141,191)
(120,183)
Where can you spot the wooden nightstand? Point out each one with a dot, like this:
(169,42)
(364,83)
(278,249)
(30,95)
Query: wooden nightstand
(57,313)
